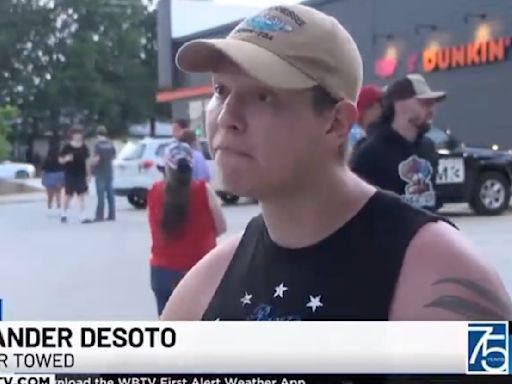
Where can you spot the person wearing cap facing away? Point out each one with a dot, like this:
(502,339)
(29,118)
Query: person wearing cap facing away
(104,155)
(185,218)
(322,248)
(399,157)
(368,111)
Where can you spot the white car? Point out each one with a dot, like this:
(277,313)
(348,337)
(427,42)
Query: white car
(136,170)
(11,170)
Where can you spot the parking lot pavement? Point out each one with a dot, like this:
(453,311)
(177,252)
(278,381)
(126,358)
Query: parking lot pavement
(492,236)
(51,271)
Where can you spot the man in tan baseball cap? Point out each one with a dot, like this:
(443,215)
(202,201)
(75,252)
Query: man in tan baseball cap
(285,83)
(291,47)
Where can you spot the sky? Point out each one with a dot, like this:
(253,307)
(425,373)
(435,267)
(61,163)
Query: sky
(209,14)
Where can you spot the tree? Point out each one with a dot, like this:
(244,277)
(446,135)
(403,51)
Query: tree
(27,45)
(7,118)
(91,62)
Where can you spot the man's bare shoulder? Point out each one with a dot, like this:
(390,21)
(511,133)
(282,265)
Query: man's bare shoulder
(195,291)
(444,278)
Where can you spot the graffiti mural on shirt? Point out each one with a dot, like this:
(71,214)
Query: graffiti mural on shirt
(419,190)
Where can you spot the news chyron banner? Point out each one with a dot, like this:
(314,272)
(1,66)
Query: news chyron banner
(251,352)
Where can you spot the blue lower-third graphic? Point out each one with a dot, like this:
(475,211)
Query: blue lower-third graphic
(488,345)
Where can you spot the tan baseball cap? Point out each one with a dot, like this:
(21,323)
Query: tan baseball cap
(287,47)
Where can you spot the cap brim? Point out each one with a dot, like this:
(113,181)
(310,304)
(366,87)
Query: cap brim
(437,96)
(203,56)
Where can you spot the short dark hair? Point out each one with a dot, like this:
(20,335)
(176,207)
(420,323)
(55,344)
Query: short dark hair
(183,123)
(323,101)
(189,137)
(102,130)
(75,130)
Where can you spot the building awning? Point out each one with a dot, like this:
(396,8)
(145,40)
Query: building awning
(183,93)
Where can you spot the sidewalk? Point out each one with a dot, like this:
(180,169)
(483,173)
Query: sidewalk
(38,194)
(20,191)
(28,197)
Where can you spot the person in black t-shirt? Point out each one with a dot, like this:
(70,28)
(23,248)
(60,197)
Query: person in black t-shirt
(53,176)
(327,245)
(74,156)
(399,157)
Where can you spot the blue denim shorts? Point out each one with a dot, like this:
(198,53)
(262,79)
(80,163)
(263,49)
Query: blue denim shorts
(53,180)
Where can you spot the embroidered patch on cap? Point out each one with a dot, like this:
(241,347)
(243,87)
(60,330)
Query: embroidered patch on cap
(263,25)
(267,23)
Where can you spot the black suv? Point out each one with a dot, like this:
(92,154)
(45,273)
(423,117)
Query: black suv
(480,177)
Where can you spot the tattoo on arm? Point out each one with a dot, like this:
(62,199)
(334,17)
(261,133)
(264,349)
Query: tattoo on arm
(493,307)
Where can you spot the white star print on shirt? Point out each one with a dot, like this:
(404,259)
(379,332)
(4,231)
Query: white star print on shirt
(246,299)
(314,302)
(280,290)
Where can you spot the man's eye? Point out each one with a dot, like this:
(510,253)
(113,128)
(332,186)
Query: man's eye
(265,97)
(219,89)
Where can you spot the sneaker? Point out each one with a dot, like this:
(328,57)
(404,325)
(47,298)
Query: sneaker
(87,221)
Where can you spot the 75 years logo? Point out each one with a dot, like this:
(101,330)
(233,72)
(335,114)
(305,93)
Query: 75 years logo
(488,348)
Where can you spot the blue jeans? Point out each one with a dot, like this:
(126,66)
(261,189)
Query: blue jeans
(104,189)
(163,282)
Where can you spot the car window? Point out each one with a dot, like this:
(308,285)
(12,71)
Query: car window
(132,151)
(439,137)
(205,150)
(161,150)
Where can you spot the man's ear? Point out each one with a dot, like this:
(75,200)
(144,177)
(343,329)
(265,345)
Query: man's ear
(344,114)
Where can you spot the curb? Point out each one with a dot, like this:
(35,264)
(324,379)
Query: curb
(22,198)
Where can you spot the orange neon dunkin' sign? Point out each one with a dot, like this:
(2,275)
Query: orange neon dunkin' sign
(467,55)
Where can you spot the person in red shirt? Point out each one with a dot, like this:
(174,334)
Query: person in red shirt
(368,111)
(185,219)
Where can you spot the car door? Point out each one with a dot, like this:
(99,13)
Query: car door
(7,170)
(450,183)
(4,170)
(160,153)
(127,165)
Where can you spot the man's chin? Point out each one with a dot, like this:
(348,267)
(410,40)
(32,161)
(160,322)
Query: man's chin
(424,128)
(247,184)
(235,187)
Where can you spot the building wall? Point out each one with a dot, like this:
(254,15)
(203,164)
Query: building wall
(476,110)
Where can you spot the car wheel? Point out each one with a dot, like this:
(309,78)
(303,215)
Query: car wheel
(491,195)
(137,200)
(21,175)
(228,198)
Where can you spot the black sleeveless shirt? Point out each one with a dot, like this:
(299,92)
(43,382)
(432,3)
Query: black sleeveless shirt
(350,275)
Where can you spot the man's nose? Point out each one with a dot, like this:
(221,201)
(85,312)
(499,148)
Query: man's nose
(231,115)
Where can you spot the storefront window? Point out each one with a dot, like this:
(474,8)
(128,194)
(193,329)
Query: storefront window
(197,116)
